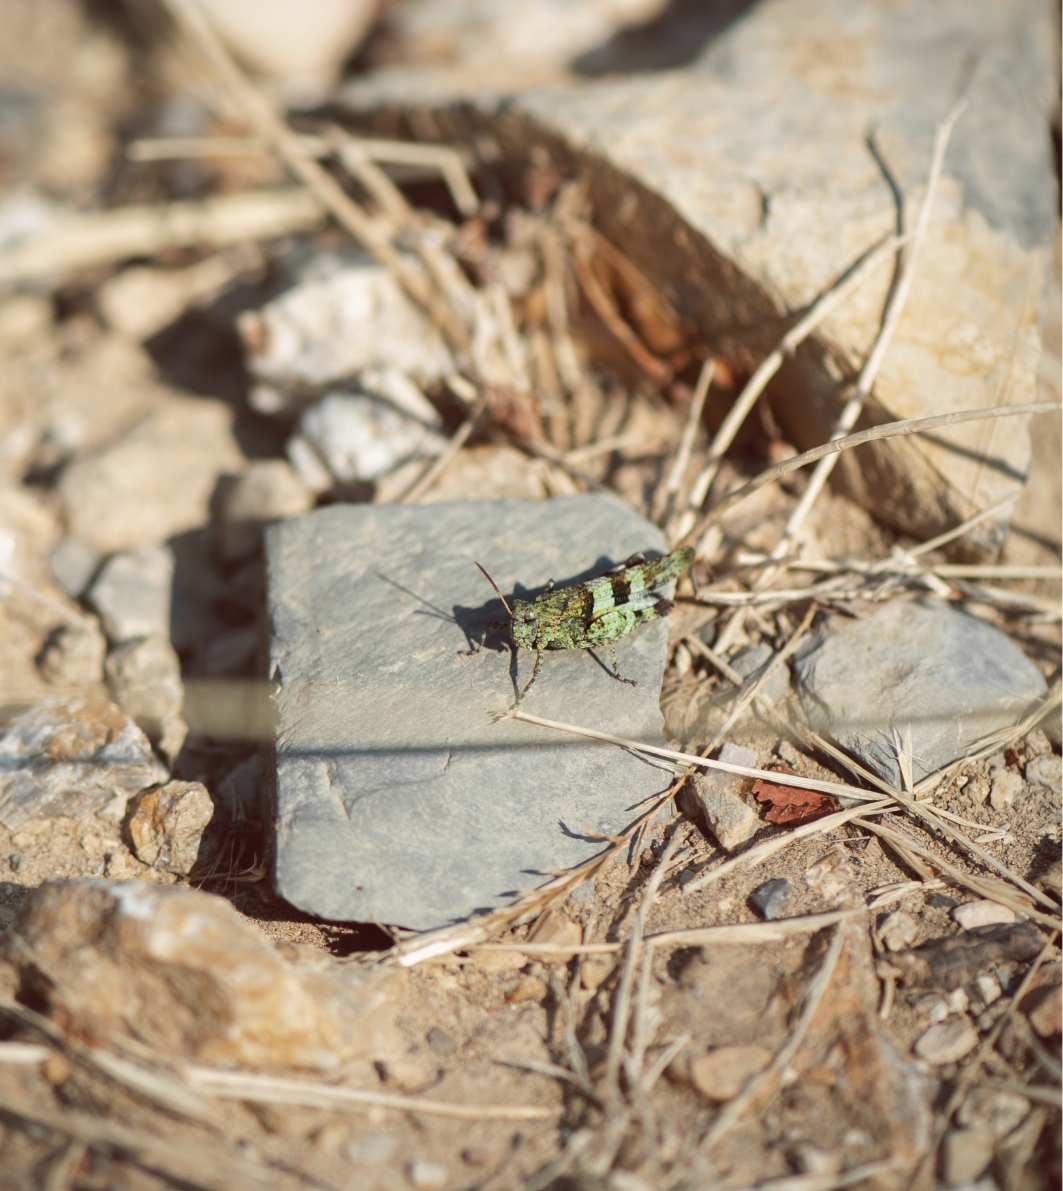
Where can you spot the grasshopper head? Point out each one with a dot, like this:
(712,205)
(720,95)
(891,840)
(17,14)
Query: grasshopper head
(525,624)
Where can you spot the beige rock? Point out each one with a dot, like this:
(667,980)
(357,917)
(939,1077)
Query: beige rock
(992,1110)
(982,913)
(266,491)
(729,818)
(595,970)
(154,482)
(500,961)
(1046,770)
(144,678)
(73,654)
(900,930)
(70,756)
(166,825)
(527,988)
(182,969)
(1043,1004)
(1006,786)
(722,1073)
(965,1153)
(947,1042)
(553,927)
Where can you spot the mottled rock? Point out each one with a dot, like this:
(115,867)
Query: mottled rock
(722,1073)
(995,1111)
(770,899)
(268,490)
(1046,770)
(70,757)
(982,913)
(719,794)
(947,677)
(1043,1003)
(144,678)
(898,931)
(553,927)
(965,1154)
(948,1042)
(155,481)
(1004,789)
(166,825)
(73,562)
(192,978)
(751,664)
(132,593)
(73,654)
(397,796)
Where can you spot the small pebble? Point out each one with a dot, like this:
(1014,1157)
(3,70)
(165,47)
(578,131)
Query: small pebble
(898,931)
(427,1174)
(528,988)
(1046,770)
(965,1153)
(14,861)
(947,1042)
(809,1159)
(722,1073)
(982,913)
(771,897)
(441,1042)
(369,1150)
(1005,788)
(986,990)
(594,970)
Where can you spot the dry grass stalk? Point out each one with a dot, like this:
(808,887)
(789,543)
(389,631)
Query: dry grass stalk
(449,454)
(665,497)
(828,1182)
(758,382)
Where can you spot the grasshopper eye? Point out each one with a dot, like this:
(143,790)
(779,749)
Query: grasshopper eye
(530,617)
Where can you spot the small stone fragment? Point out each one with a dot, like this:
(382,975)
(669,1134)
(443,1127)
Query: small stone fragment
(1046,770)
(1043,1003)
(266,491)
(730,819)
(144,678)
(994,1111)
(500,961)
(947,1042)
(722,1073)
(527,988)
(441,1042)
(553,927)
(595,970)
(73,654)
(982,913)
(810,1159)
(900,930)
(131,594)
(194,979)
(948,676)
(955,960)
(751,663)
(371,1150)
(983,992)
(1051,880)
(69,757)
(1005,788)
(406,1074)
(428,1174)
(166,825)
(73,562)
(965,1154)
(771,897)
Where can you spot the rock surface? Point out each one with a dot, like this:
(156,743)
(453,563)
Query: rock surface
(268,490)
(73,654)
(70,757)
(770,899)
(743,185)
(721,1074)
(397,798)
(197,981)
(155,481)
(946,676)
(166,825)
(131,594)
(729,817)
(144,678)
(982,913)
(948,1042)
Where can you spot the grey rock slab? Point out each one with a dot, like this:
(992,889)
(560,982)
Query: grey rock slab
(132,593)
(751,664)
(70,757)
(945,676)
(770,898)
(396,795)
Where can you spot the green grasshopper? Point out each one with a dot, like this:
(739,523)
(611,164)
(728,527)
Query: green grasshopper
(596,612)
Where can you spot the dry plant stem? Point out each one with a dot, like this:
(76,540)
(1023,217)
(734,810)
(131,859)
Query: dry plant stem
(789,343)
(759,1085)
(903,428)
(828,1182)
(967,1074)
(664,501)
(449,454)
(264,1089)
(104,237)
(267,124)
(543,450)
(894,310)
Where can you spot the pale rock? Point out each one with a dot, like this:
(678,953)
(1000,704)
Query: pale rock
(751,663)
(995,1111)
(69,757)
(132,593)
(340,320)
(166,825)
(965,1154)
(731,820)
(947,1042)
(266,491)
(983,991)
(23,318)
(1043,1003)
(982,913)
(194,981)
(371,1150)
(28,532)
(155,481)
(73,562)
(595,970)
(553,927)
(1005,788)
(943,675)
(900,930)
(407,1074)
(144,678)
(810,1159)
(73,654)
(722,1073)
(501,961)
(527,988)
(429,1175)
(1046,770)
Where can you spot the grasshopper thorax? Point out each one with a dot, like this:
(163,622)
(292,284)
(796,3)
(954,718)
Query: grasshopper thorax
(524,626)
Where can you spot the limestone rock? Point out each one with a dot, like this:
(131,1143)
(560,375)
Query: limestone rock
(144,678)
(166,825)
(131,594)
(1004,789)
(73,562)
(982,913)
(729,818)
(268,490)
(73,654)
(946,676)
(721,1074)
(194,980)
(155,481)
(965,1153)
(947,1042)
(396,795)
(1046,770)
(70,757)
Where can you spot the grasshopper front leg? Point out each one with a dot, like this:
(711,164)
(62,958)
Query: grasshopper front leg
(491,624)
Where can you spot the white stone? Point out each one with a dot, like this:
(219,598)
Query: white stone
(947,1042)
(1005,787)
(982,913)
(132,593)
(965,1153)
(1046,770)
(900,930)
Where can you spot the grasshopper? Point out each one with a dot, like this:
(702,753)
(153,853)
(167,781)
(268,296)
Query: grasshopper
(596,612)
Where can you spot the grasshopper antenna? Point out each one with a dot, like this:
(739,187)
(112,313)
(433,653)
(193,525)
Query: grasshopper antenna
(497,592)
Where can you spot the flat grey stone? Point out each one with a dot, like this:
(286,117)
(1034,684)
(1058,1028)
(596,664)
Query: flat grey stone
(770,898)
(73,562)
(751,664)
(729,818)
(396,796)
(132,594)
(948,677)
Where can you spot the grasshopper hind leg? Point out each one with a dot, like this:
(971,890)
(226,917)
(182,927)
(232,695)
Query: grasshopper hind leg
(615,671)
(535,674)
